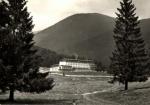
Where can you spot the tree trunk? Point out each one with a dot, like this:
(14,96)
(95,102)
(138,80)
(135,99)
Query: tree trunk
(126,84)
(11,94)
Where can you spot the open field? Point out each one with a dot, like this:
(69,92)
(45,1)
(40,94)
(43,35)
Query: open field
(66,91)
(86,91)
(87,73)
(138,94)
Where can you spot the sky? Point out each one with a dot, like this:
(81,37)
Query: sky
(48,12)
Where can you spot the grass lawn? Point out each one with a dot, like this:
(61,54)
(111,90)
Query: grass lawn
(87,73)
(91,73)
(65,92)
(73,89)
(138,94)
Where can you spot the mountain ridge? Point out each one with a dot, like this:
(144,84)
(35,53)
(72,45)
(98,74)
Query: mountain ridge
(89,35)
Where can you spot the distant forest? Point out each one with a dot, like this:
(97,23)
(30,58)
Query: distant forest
(49,57)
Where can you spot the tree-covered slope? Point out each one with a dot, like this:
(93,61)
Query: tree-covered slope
(89,35)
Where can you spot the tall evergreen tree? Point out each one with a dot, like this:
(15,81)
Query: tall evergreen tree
(19,59)
(4,21)
(129,61)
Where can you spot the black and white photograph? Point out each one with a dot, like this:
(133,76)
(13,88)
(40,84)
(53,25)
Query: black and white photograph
(75,52)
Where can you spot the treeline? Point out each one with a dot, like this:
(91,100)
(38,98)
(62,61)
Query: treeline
(49,57)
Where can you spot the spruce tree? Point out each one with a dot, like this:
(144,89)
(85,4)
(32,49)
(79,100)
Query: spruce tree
(129,60)
(4,21)
(19,59)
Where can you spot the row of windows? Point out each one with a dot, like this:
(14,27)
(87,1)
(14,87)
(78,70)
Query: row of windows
(77,64)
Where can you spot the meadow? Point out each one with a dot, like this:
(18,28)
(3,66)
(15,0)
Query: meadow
(85,91)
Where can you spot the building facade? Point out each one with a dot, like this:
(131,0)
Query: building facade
(54,68)
(74,65)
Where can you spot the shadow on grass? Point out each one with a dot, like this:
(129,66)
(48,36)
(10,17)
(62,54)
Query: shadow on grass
(3,93)
(148,87)
(136,88)
(38,101)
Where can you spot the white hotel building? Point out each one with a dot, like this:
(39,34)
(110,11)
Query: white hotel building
(74,65)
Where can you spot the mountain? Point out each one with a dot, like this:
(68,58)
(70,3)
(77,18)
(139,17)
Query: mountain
(88,35)
(145,30)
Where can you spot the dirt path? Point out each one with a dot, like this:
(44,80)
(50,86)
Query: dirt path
(101,76)
(90,97)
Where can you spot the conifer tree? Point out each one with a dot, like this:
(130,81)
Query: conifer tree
(19,59)
(129,60)
(4,21)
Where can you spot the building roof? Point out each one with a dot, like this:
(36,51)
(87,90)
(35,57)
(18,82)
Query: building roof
(77,60)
